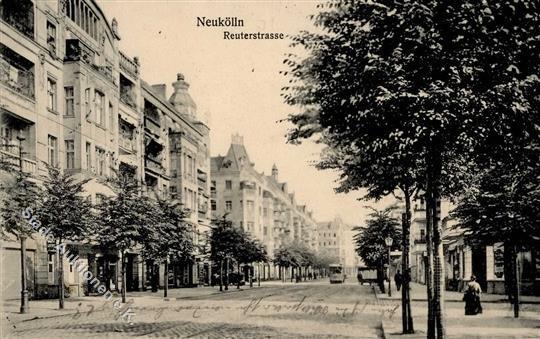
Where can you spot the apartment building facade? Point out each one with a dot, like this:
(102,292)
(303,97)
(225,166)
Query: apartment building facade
(69,97)
(260,204)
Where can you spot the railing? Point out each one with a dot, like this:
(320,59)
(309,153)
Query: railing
(126,143)
(127,96)
(202,176)
(28,166)
(247,185)
(106,70)
(18,79)
(20,17)
(153,115)
(153,164)
(152,127)
(129,66)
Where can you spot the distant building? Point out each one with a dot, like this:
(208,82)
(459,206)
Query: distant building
(335,238)
(260,204)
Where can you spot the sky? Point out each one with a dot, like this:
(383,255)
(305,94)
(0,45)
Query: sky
(235,83)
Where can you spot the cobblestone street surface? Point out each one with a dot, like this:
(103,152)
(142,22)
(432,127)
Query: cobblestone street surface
(305,310)
(274,310)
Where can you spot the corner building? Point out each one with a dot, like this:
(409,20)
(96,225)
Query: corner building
(71,98)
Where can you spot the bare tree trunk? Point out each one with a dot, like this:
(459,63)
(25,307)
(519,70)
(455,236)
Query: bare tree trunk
(515,280)
(429,264)
(166,278)
(226,274)
(239,276)
(221,275)
(61,276)
(438,261)
(124,283)
(407,320)
(24,289)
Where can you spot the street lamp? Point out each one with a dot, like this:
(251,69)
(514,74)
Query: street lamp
(389,241)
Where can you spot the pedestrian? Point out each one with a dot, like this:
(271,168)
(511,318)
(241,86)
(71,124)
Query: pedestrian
(360,277)
(398,278)
(472,297)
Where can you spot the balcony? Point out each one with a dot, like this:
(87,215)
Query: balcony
(154,164)
(151,127)
(129,66)
(250,185)
(19,14)
(202,176)
(127,97)
(16,73)
(28,166)
(126,143)
(76,50)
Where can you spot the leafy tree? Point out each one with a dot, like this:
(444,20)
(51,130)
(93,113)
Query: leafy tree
(225,244)
(125,220)
(16,211)
(171,239)
(66,212)
(370,240)
(503,205)
(284,258)
(430,84)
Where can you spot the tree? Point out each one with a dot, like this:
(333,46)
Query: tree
(431,83)
(18,220)
(503,206)
(283,257)
(171,238)
(66,212)
(370,240)
(125,220)
(225,242)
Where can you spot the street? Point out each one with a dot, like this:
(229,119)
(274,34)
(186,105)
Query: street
(274,310)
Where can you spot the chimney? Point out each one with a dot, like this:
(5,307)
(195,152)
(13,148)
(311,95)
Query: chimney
(275,172)
(161,90)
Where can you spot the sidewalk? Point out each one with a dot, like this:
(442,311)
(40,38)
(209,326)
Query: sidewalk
(48,308)
(418,293)
(496,321)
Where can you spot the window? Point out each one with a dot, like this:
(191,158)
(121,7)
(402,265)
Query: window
(228,184)
(228,205)
(70,154)
(52,150)
(213,204)
(250,226)
(50,260)
(51,94)
(265,230)
(100,158)
(98,103)
(51,37)
(88,156)
(265,212)
(69,109)
(83,16)
(249,205)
